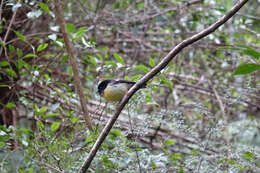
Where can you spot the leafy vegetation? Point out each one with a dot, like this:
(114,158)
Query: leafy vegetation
(199,114)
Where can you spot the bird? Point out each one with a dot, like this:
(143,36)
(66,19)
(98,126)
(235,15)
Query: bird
(114,90)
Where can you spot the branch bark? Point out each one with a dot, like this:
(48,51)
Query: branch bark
(165,61)
(73,62)
(8,30)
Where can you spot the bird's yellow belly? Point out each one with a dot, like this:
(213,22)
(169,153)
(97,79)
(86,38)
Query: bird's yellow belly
(112,93)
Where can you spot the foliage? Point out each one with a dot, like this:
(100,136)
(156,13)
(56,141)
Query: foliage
(200,114)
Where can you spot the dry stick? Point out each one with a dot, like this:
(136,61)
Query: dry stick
(186,4)
(1,10)
(221,105)
(8,30)
(48,165)
(151,74)
(73,62)
(135,148)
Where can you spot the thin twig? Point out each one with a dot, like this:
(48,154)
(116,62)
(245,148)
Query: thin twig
(8,30)
(1,10)
(48,166)
(221,105)
(132,131)
(172,9)
(206,146)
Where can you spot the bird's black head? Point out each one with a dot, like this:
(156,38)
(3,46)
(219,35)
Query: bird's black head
(102,85)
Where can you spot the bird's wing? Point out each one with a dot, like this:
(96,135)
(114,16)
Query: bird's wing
(127,82)
(124,81)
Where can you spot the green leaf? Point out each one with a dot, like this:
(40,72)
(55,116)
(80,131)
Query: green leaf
(116,132)
(166,82)
(40,125)
(194,152)
(43,109)
(2,44)
(248,156)
(136,77)
(4,63)
(242,167)
(118,58)
(142,67)
(41,47)
(153,165)
(169,142)
(47,77)
(70,28)
(93,60)
(4,137)
(64,59)
(112,63)
(19,35)
(10,72)
(10,105)
(228,48)
(243,46)
(81,31)
(140,5)
(253,53)
(176,156)
(70,71)
(44,7)
(89,139)
(30,170)
(4,85)
(107,163)
(148,98)
(180,170)
(99,56)
(49,55)
(245,49)
(19,52)
(53,114)
(74,120)
(20,64)
(232,162)
(117,5)
(223,160)
(11,48)
(55,126)
(2,144)
(246,68)
(29,55)
(26,65)
(151,62)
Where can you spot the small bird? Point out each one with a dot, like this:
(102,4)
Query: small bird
(114,90)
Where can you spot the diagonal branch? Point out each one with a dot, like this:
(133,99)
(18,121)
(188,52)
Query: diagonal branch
(8,29)
(73,62)
(165,61)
